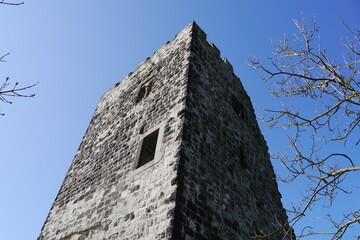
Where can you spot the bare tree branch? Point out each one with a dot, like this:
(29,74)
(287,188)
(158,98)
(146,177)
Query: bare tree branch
(6,90)
(9,3)
(303,69)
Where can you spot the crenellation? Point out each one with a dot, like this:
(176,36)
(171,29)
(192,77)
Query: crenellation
(216,50)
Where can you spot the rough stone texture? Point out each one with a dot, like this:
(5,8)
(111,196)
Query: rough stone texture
(226,183)
(211,177)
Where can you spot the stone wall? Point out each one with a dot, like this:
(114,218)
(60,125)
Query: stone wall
(210,177)
(226,183)
(103,196)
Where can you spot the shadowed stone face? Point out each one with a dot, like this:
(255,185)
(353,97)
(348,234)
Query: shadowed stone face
(172,152)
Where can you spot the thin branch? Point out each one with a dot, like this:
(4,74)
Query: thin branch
(12,4)
(303,69)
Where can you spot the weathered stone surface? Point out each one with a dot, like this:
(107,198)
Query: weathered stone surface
(210,177)
(226,183)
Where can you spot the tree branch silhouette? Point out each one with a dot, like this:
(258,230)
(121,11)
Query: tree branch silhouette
(303,69)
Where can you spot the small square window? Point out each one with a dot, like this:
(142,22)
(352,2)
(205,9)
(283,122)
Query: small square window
(148,148)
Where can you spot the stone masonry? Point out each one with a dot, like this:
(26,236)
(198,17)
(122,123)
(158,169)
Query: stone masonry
(172,152)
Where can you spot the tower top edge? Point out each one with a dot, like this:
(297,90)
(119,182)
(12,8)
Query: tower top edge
(194,27)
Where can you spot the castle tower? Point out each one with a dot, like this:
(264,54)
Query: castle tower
(172,152)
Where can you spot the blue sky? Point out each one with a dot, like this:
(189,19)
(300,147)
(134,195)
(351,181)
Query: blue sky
(77,50)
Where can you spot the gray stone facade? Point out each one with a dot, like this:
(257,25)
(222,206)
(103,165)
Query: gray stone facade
(172,152)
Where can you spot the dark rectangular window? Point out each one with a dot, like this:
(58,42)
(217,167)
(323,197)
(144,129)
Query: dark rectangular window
(238,108)
(148,148)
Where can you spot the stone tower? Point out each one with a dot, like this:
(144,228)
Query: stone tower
(172,152)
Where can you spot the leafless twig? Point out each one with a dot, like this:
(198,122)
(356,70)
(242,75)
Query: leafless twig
(6,90)
(303,69)
(9,3)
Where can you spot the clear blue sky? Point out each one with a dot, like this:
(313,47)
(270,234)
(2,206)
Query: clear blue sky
(79,49)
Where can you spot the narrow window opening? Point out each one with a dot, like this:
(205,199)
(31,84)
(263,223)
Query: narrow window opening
(242,159)
(141,94)
(144,91)
(238,108)
(148,148)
